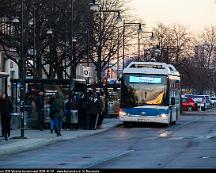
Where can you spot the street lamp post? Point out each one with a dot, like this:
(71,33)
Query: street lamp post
(118,55)
(97,8)
(22,71)
(22,74)
(34,37)
(139,38)
(72,75)
(139,31)
(32,23)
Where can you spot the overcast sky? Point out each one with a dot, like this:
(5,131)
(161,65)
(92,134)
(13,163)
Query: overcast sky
(193,13)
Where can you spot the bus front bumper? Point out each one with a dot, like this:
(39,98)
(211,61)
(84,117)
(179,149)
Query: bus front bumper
(149,119)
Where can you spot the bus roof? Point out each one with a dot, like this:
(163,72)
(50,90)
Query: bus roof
(151,68)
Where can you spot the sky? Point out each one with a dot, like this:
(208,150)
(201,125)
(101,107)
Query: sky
(195,14)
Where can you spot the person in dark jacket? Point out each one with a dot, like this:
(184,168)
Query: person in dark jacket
(82,111)
(93,109)
(39,107)
(5,110)
(102,110)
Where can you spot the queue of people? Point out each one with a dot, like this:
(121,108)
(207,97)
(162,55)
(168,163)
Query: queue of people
(90,108)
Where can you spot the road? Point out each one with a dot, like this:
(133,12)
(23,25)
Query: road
(188,144)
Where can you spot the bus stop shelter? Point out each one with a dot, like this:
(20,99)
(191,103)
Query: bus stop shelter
(49,87)
(3,81)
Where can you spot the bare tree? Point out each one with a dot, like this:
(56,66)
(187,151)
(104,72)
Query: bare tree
(52,51)
(107,34)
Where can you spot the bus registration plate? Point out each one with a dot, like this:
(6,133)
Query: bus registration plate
(143,120)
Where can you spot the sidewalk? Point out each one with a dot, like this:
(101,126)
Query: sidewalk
(36,138)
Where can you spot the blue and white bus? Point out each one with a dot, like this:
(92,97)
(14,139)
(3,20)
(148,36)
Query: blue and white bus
(150,92)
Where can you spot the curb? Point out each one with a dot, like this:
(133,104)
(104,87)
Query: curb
(30,144)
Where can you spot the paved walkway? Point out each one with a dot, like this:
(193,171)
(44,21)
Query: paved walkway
(36,138)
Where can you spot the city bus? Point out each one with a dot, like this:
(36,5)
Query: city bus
(150,92)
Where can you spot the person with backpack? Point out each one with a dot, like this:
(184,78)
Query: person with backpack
(93,109)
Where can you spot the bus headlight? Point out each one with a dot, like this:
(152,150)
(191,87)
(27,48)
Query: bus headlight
(122,113)
(163,115)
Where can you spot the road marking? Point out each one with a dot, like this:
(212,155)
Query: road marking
(112,157)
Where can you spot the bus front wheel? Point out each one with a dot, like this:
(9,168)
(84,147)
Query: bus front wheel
(170,121)
(127,124)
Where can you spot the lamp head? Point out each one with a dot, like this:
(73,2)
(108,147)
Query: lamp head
(152,36)
(49,32)
(15,20)
(94,6)
(119,18)
(140,29)
(74,39)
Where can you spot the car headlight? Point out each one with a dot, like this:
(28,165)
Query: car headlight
(163,115)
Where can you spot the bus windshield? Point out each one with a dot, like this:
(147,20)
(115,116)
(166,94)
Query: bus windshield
(140,89)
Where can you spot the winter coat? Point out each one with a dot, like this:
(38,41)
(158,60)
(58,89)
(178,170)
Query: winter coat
(5,107)
(58,106)
(93,104)
(39,102)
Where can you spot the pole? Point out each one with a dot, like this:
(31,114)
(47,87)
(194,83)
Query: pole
(138,47)
(71,51)
(123,44)
(118,56)
(100,51)
(167,55)
(22,75)
(34,24)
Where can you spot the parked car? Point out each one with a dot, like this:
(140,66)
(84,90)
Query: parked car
(213,100)
(202,101)
(188,104)
(207,101)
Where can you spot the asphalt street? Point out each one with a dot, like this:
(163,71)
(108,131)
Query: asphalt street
(188,144)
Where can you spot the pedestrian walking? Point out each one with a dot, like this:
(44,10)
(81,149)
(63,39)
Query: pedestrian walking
(58,111)
(51,114)
(102,110)
(39,105)
(93,109)
(5,110)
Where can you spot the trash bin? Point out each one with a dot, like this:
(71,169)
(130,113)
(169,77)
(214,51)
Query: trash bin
(15,120)
(74,118)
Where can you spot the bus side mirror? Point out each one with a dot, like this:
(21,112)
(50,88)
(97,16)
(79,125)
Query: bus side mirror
(172,101)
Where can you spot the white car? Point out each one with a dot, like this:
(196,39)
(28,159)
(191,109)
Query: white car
(213,100)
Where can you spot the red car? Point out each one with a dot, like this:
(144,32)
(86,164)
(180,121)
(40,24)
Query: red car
(188,104)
